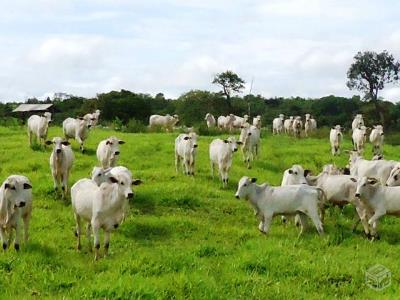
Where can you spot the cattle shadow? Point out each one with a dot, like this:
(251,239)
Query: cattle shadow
(38,147)
(145,205)
(88,152)
(143,232)
(43,250)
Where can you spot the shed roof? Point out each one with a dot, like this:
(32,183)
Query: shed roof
(32,107)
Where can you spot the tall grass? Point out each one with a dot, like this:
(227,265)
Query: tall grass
(186,237)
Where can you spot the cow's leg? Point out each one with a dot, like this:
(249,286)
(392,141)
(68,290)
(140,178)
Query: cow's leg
(55,181)
(267,223)
(17,235)
(303,222)
(96,234)
(64,186)
(88,236)
(313,214)
(3,237)
(26,219)
(106,242)
(374,220)
(176,162)
(212,168)
(78,231)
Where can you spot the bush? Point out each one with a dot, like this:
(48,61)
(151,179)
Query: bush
(135,126)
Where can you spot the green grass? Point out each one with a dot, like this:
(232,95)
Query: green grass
(186,237)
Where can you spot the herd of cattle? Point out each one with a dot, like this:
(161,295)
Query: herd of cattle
(102,201)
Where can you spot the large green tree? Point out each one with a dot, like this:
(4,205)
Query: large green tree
(370,72)
(230,82)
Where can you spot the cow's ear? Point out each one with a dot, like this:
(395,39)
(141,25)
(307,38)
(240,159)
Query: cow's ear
(353,179)
(306,172)
(48,142)
(27,186)
(65,143)
(333,127)
(372,181)
(121,142)
(6,186)
(108,142)
(113,179)
(137,182)
(226,141)
(186,138)
(80,118)
(290,171)
(253,179)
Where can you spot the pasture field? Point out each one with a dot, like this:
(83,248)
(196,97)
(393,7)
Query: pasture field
(186,237)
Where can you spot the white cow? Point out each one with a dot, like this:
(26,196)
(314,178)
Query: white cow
(277,124)
(96,116)
(100,175)
(221,154)
(250,139)
(108,152)
(288,125)
(376,138)
(269,201)
(77,129)
(101,206)
(61,160)
(257,121)
(310,125)
(394,176)
(15,203)
(297,125)
(167,122)
(239,121)
(379,169)
(210,120)
(359,137)
(226,122)
(357,122)
(185,152)
(336,138)
(38,126)
(379,200)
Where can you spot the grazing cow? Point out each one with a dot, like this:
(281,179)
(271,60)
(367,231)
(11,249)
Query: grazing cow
(379,169)
(101,206)
(379,200)
(226,122)
(297,125)
(221,153)
(167,122)
(185,152)
(394,176)
(38,126)
(257,121)
(210,120)
(288,125)
(77,129)
(61,160)
(376,138)
(277,124)
(108,152)
(269,201)
(239,121)
(250,138)
(359,137)
(15,203)
(357,122)
(310,125)
(336,138)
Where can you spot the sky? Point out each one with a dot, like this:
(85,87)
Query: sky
(285,47)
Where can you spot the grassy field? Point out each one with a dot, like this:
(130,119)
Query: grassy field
(186,237)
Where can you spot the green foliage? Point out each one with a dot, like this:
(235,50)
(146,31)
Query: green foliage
(230,82)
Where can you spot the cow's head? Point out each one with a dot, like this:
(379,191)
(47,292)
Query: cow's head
(245,187)
(366,187)
(57,143)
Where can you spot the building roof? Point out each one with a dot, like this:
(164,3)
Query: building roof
(32,107)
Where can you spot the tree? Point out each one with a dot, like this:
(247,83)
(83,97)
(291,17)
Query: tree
(230,82)
(369,73)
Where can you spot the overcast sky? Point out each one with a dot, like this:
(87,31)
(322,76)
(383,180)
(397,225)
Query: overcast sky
(290,47)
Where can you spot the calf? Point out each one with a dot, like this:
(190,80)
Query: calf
(357,122)
(61,160)
(167,122)
(359,137)
(376,138)
(210,120)
(297,125)
(221,154)
(38,126)
(277,124)
(270,201)
(185,152)
(15,203)
(226,122)
(101,206)
(379,200)
(77,129)
(310,125)
(336,138)
(239,121)
(108,152)
(250,139)
(100,175)
(257,122)
(288,125)
(394,176)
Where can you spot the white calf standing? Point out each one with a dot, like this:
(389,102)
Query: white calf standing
(250,138)
(108,152)
(310,125)
(210,120)
(226,122)
(376,138)
(288,125)
(269,201)
(15,203)
(61,160)
(359,137)
(297,125)
(96,116)
(102,207)
(38,126)
(77,129)
(277,124)
(357,122)
(336,138)
(185,151)
(221,154)
(257,121)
